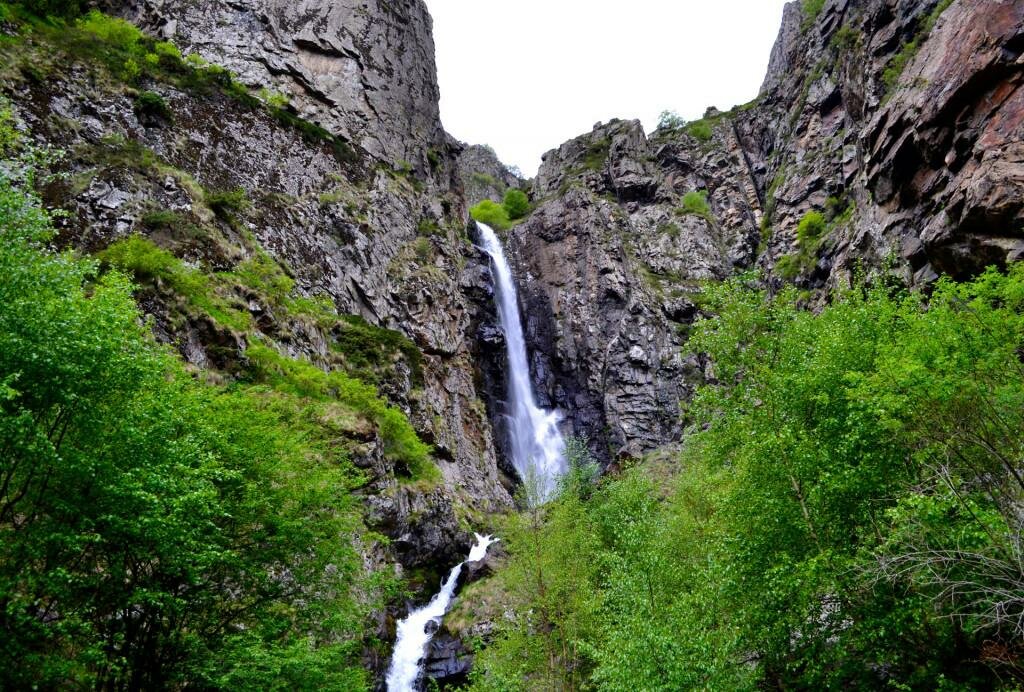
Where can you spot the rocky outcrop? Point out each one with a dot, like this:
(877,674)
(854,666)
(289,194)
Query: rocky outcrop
(900,121)
(483,175)
(363,70)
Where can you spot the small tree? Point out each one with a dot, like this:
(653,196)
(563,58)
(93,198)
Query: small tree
(670,120)
(516,203)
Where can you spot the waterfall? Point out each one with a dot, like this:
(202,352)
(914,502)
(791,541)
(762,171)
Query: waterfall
(413,636)
(538,450)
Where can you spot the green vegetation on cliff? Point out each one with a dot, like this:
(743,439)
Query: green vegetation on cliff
(845,514)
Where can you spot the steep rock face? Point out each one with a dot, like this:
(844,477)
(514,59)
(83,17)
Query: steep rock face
(483,176)
(900,121)
(909,113)
(363,70)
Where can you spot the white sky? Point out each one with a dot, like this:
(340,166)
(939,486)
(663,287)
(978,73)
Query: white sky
(527,75)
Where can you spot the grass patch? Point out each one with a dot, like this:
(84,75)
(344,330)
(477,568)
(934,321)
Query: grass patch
(596,154)
(367,348)
(299,377)
(810,10)
(894,69)
(696,203)
(140,257)
(699,130)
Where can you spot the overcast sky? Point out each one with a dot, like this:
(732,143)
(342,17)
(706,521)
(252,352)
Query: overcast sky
(525,76)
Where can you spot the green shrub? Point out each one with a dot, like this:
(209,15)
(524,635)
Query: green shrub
(516,204)
(227,203)
(789,266)
(596,154)
(142,258)
(846,39)
(369,349)
(427,228)
(811,228)
(66,9)
(696,202)
(150,103)
(699,129)
(161,218)
(670,120)
(9,135)
(115,33)
(492,214)
(810,9)
(401,443)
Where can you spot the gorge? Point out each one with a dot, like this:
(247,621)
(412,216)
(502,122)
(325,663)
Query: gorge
(265,382)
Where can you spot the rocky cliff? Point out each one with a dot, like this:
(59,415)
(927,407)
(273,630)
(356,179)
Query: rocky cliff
(887,135)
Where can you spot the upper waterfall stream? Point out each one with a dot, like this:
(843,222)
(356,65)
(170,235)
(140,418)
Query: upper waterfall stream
(413,636)
(537,446)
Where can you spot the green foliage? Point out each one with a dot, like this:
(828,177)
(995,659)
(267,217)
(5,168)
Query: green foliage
(227,203)
(696,202)
(596,154)
(427,227)
(810,9)
(152,104)
(53,8)
(810,229)
(161,218)
(368,348)
(487,180)
(699,130)
(9,135)
(516,203)
(139,256)
(146,520)
(670,120)
(845,513)
(846,39)
(301,378)
(492,214)
(908,51)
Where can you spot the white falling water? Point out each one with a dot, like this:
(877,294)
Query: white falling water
(538,449)
(413,637)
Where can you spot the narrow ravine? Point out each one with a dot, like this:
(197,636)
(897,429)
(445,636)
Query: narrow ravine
(536,444)
(414,632)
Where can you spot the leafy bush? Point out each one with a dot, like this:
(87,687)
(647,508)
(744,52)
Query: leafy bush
(227,203)
(161,218)
(670,120)
(696,202)
(846,39)
(142,258)
(699,129)
(300,378)
(516,204)
(368,349)
(152,104)
(810,10)
(492,214)
(9,135)
(811,228)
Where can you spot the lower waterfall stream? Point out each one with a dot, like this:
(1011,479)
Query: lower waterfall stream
(413,636)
